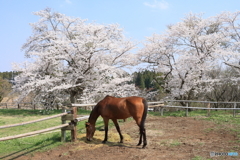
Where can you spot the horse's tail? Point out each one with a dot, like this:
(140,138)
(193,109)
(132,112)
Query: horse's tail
(144,112)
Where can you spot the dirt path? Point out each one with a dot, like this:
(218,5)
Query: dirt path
(168,138)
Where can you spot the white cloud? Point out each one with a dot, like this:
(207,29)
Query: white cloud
(157,4)
(68,1)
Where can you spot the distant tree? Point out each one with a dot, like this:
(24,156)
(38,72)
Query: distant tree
(70,56)
(5,88)
(6,75)
(140,81)
(148,80)
(226,89)
(190,49)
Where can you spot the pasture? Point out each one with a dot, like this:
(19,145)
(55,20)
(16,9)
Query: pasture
(172,136)
(45,141)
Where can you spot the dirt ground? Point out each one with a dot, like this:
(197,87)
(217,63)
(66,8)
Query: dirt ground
(168,138)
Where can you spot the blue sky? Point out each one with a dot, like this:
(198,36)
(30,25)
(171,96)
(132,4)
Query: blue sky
(138,18)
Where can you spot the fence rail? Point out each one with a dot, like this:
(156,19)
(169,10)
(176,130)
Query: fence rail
(189,101)
(187,107)
(161,105)
(150,107)
(25,105)
(33,133)
(64,126)
(34,121)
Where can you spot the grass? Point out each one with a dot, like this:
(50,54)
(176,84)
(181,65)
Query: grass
(199,158)
(16,147)
(42,142)
(175,143)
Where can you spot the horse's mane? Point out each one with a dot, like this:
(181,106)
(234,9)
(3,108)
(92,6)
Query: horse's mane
(93,113)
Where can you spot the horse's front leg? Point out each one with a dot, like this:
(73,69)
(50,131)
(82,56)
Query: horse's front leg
(118,129)
(106,129)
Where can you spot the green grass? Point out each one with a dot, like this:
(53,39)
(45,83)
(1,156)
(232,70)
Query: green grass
(24,112)
(175,143)
(16,147)
(45,141)
(200,158)
(203,113)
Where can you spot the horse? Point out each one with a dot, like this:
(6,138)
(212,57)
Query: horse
(119,108)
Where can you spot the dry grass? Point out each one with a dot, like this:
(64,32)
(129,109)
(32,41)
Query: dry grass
(113,139)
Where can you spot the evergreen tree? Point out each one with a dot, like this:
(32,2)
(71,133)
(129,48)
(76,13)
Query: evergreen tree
(140,81)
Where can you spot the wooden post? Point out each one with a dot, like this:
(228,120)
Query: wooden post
(208,112)
(6,106)
(161,110)
(74,130)
(34,106)
(187,110)
(63,131)
(234,111)
(19,107)
(72,126)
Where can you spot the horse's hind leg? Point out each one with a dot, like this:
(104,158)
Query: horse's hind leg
(144,138)
(142,133)
(140,139)
(118,129)
(138,121)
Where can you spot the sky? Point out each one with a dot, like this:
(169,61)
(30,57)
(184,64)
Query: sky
(138,18)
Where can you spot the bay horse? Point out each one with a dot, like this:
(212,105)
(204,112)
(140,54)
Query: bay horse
(118,108)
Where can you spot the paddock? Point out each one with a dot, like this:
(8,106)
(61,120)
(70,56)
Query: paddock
(168,137)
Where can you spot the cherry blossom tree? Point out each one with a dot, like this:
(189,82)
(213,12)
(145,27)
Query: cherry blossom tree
(190,49)
(75,57)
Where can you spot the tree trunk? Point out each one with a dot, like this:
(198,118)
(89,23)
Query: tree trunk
(73,96)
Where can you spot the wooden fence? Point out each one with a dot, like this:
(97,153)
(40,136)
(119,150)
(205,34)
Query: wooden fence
(161,105)
(25,105)
(207,106)
(66,116)
(72,117)
(156,104)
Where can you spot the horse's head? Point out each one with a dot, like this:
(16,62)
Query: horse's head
(90,129)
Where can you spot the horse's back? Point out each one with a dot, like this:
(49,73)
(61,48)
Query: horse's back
(121,108)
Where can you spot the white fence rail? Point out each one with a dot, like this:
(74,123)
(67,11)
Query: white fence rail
(161,105)
(64,126)
(187,107)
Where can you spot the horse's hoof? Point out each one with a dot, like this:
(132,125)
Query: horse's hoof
(144,146)
(104,142)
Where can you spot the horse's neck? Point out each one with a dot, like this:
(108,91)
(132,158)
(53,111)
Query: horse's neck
(93,116)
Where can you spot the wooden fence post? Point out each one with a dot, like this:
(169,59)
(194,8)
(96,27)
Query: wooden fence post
(208,112)
(34,106)
(161,110)
(63,131)
(234,111)
(72,126)
(74,129)
(19,107)
(187,110)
